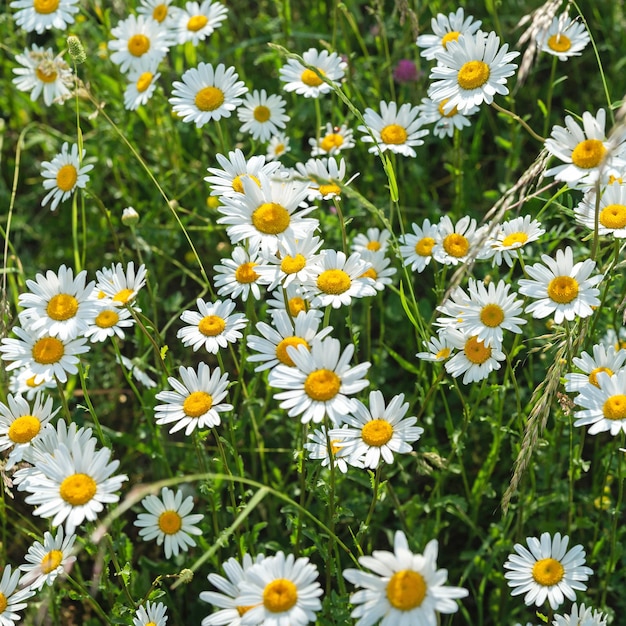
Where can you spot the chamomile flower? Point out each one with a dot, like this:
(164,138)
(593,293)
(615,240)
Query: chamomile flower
(271,347)
(379,270)
(142,81)
(374,240)
(320,382)
(63,175)
(561,287)
(22,382)
(324,447)
(41,15)
(278,146)
(512,236)
(168,520)
(446,28)
(213,326)
(75,484)
(326,177)
(280,590)
(110,321)
(603,405)
(261,115)
(445,121)
(611,211)
(153,614)
(474,359)
(205,93)
(439,348)
(21,423)
(416,248)
(472,70)
(197,21)
(43,74)
(46,561)
(46,356)
(336,279)
(305,81)
(564,38)
(547,570)
(580,615)
(12,601)
(379,432)
(606,359)
(159,10)
(405,588)
(332,140)
(294,299)
(237,277)
(457,243)
(121,285)
(58,304)
(194,403)
(395,128)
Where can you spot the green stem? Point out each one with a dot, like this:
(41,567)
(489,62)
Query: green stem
(518,119)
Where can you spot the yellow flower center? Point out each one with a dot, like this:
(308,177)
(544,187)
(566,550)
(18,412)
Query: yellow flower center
(170,522)
(45,7)
(322,385)
(613,216)
(123,295)
(476,351)
(245,273)
(279,148)
(62,307)
(261,113)
(242,610)
(292,264)
(151,624)
(563,289)
(197,22)
(78,489)
(588,154)
(515,239)
(377,432)
(48,350)
(559,42)
(144,81)
(311,79)
(492,315)
(46,75)
(374,246)
(473,74)
(424,247)
(393,134)
(444,353)
(325,190)
(614,408)
(370,273)
(547,572)
(238,184)
(24,428)
(209,98)
(281,349)
(107,319)
(3,602)
(280,595)
(197,403)
(30,382)
(138,45)
(593,375)
(330,141)
(456,245)
(51,561)
(453,35)
(67,177)
(406,590)
(442,112)
(211,325)
(159,13)
(296,306)
(333,281)
(335,446)
(271,218)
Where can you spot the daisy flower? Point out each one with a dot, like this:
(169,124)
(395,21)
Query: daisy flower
(321,446)
(43,73)
(21,423)
(142,81)
(320,382)
(472,70)
(604,404)
(305,81)
(159,10)
(586,152)
(119,284)
(514,235)
(325,177)
(42,15)
(611,211)
(278,146)
(474,359)
(22,382)
(285,332)
(336,279)
(564,38)
(136,372)
(280,590)
(445,121)
(457,243)
(109,322)
(46,561)
(374,240)
(213,326)
(615,338)
(168,520)
(75,484)
(153,614)
(292,298)
(446,28)
(379,270)
(261,115)
(138,38)
(378,432)
(12,601)
(196,21)
(207,93)
(194,403)
(606,359)
(237,277)
(332,140)
(63,175)
(547,570)
(58,304)
(580,615)
(47,357)
(439,348)
(561,287)
(416,248)
(396,129)
(405,588)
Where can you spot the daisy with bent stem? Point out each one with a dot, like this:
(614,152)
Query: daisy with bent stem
(446,28)
(121,285)
(305,81)
(405,588)
(168,520)
(547,570)
(416,248)
(153,614)
(603,405)
(261,115)
(12,601)
(41,15)
(611,211)
(45,562)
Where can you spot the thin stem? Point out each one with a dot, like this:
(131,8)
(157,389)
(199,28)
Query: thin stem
(517,118)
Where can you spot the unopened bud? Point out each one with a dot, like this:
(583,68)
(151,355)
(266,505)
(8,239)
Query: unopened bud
(129,216)
(76,50)
(186,576)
